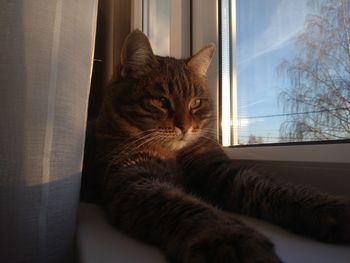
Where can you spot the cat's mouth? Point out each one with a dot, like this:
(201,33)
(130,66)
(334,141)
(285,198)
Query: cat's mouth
(181,136)
(182,139)
(174,139)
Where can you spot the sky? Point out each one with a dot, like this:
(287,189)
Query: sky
(266,33)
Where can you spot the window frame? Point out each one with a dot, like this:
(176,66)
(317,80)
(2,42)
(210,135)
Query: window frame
(196,29)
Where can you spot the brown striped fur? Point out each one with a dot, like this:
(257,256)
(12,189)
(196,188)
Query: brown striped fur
(163,177)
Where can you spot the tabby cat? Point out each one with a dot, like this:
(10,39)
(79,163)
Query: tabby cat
(164,179)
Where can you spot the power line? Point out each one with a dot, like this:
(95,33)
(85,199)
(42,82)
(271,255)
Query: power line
(293,114)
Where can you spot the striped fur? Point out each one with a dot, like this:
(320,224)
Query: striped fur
(164,179)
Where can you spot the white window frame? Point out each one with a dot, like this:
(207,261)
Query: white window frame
(205,29)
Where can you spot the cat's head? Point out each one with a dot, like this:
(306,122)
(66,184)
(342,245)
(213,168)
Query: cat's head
(163,98)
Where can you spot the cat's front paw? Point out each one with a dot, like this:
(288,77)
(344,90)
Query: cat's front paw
(332,223)
(224,244)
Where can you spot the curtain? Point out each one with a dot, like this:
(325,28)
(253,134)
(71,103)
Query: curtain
(46,52)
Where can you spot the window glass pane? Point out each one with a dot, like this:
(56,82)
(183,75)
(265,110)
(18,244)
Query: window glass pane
(293,70)
(157,25)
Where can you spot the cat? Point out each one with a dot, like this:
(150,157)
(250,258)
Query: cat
(163,178)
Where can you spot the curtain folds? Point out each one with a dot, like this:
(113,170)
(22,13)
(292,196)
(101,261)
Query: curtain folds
(46,53)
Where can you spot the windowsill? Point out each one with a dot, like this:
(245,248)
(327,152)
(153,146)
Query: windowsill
(98,241)
(318,153)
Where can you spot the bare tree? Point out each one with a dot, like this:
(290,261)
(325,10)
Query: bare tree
(317,103)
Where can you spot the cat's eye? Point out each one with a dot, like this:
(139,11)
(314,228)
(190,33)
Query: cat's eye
(161,102)
(195,104)
(164,103)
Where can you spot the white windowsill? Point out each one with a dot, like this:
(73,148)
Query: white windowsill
(98,241)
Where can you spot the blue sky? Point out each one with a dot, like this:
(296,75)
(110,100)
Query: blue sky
(266,32)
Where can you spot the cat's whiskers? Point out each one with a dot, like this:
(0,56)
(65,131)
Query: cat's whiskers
(131,147)
(150,140)
(130,141)
(209,138)
(155,137)
(209,131)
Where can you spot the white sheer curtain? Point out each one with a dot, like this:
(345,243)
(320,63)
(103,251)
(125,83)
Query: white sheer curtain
(46,52)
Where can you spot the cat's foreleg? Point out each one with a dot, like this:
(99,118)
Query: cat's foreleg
(187,229)
(300,209)
(213,176)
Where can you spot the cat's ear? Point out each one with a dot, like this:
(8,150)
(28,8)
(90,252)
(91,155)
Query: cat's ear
(137,57)
(199,63)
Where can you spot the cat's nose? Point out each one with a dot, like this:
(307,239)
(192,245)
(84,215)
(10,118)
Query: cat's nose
(184,127)
(184,123)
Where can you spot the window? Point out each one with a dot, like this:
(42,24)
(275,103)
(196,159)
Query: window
(285,71)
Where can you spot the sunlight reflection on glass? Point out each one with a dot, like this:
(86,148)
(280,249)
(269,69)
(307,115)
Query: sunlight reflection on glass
(225,77)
